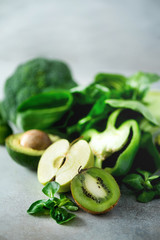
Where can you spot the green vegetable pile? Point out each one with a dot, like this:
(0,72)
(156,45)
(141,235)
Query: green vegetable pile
(55,207)
(116,114)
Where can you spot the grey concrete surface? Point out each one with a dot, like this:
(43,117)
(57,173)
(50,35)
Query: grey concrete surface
(92,36)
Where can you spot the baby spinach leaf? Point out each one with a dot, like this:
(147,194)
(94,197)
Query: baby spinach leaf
(144,173)
(54,206)
(133,105)
(111,81)
(37,207)
(149,189)
(139,84)
(61,215)
(67,203)
(134,181)
(146,196)
(50,189)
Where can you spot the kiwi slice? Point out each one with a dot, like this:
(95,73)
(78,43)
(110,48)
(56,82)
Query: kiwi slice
(95,190)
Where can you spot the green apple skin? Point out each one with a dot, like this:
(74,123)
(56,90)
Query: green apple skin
(53,167)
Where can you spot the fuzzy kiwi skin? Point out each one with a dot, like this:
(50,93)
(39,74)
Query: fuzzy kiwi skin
(93,212)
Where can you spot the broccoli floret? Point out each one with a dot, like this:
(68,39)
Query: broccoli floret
(31,78)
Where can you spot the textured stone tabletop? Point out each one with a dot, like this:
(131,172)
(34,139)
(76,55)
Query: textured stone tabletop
(91,36)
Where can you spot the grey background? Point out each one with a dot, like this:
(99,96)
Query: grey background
(91,36)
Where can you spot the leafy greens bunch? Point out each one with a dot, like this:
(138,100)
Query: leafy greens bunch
(145,185)
(56,207)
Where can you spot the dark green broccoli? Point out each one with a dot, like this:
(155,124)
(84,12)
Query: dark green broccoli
(32,77)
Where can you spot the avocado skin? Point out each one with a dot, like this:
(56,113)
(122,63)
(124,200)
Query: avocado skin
(5,131)
(26,157)
(24,160)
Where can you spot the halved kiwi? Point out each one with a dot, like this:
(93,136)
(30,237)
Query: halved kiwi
(95,190)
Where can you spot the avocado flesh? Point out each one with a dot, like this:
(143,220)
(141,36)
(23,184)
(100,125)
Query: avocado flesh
(25,156)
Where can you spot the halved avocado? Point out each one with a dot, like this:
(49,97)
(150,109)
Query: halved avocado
(5,131)
(25,156)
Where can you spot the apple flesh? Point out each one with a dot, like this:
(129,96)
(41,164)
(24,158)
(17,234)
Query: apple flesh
(62,160)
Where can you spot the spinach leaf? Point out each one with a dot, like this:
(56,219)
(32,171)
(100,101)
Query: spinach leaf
(134,87)
(67,203)
(56,207)
(144,173)
(37,207)
(134,181)
(143,184)
(146,196)
(139,84)
(111,81)
(133,105)
(50,189)
(61,215)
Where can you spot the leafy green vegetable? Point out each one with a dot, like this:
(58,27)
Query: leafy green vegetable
(50,189)
(103,106)
(134,181)
(44,109)
(61,215)
(146,196)
(56,207)
(111,81)
(134,87)
(31,78)
(133,105)
(152,102)
(139,84)
(144,185)
(37,207)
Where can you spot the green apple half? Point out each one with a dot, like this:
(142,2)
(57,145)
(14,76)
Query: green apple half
(62,160)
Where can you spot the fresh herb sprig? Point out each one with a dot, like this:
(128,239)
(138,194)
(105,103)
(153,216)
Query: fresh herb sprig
(145,185)
(56,207)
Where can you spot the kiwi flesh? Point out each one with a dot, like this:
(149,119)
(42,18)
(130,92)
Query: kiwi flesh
(95,190)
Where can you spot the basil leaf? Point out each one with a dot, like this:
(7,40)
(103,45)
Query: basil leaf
(37,207)
(133,105)
(61,215)
(134,181)
(146,196)
(50,189)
